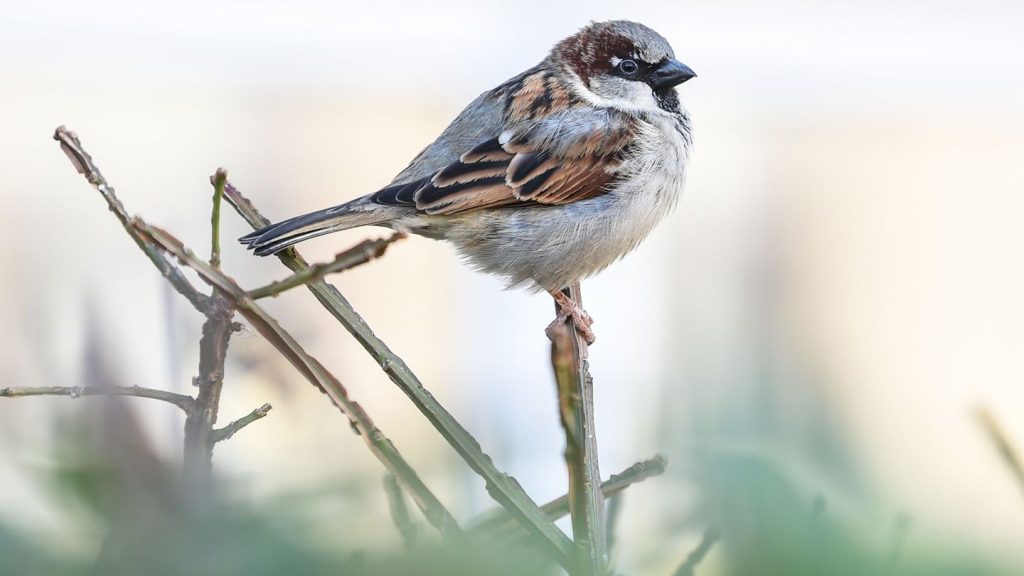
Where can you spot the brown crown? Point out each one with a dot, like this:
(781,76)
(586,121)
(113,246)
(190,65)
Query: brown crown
(589,51)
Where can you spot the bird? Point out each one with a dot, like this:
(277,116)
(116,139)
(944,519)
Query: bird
(546,179)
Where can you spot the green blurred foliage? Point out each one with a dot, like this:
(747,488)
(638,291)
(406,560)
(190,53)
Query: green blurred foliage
(135,516)
(134,505)
(113,489)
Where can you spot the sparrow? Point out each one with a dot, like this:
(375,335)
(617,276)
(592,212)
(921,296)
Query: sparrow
(546,179)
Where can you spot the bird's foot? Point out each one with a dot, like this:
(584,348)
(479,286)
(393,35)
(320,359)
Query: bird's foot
(567,308)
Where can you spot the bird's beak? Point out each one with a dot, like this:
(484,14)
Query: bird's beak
(670,73)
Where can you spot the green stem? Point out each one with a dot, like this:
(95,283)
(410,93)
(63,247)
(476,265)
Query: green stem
(219,178)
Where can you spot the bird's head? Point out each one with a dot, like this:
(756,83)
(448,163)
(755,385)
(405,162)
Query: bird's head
(624,65)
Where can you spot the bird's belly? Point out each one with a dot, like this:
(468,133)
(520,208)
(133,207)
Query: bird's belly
(551,247)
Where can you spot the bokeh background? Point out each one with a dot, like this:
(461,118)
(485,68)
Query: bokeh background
(808,336)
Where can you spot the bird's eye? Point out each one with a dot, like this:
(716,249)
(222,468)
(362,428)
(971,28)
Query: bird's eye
(628,67)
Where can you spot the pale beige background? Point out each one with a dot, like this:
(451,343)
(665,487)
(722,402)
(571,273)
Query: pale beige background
(847,257)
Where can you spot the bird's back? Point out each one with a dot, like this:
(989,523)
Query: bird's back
(481,120)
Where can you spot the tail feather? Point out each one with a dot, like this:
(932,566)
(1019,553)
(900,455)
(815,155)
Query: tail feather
(276,237)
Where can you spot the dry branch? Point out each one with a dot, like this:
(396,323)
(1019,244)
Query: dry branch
(231,429)
(83,163)
(313,371)
(213,353)
(180,400)
(357,255)
(213,350)
(198,447)
(155,242)
(576,408)
(497,525)
(502,487)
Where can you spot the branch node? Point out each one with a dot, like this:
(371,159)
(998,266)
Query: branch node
(231,429)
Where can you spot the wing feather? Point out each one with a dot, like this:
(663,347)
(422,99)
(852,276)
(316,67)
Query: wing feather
(550,148)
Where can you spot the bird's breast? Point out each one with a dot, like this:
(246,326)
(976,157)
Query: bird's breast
(551,247)
(653,173)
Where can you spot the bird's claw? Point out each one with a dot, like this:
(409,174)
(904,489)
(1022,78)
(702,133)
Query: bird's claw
(567,308)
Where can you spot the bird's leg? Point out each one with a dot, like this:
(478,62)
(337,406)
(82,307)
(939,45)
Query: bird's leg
(567,308)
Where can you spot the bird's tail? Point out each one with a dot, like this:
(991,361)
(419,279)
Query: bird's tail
(277,237)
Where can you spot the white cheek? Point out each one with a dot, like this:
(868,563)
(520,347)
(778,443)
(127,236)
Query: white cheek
(623,94)
(642,95)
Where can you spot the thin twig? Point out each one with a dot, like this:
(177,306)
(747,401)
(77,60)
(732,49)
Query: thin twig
(357,255)
(1007,451)
(707,541)
(399,512)
(313,371)
(379,444)
(497,524)
(576,408)
(502,487)
(228,431)
(83,163)
(180,400)
(213,353)
(219,178)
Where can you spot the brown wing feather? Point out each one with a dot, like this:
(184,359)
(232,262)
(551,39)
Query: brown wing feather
(519,172)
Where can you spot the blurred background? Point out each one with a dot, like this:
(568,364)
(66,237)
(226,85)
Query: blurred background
(807,338)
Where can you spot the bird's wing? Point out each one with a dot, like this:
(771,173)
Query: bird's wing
(483,118)
(564,157)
